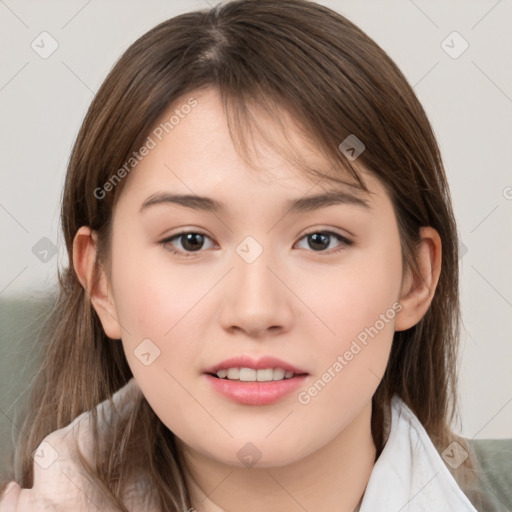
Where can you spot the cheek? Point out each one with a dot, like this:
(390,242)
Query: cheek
(152,292)
(358,303)
(157,303)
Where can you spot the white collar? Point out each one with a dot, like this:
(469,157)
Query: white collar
(410,475)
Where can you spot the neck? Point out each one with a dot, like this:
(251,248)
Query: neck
(332,478)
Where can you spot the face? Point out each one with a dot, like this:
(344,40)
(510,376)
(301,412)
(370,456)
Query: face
(257,272)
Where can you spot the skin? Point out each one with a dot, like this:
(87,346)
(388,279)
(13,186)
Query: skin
(293,302)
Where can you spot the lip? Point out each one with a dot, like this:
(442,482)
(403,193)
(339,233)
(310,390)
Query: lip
(256,364)
(255,393)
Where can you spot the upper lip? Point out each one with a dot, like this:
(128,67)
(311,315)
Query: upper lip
(257,364)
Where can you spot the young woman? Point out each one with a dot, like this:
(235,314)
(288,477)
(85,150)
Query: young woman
(261,307)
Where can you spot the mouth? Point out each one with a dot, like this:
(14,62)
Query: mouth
(255,382)
(245,374)
(246,369)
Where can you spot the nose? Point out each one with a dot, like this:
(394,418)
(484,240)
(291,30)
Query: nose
(255,300)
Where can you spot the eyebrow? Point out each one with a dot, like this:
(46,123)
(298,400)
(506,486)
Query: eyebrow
(300,205)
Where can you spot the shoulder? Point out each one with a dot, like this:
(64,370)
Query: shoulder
(59,476)
(80,430)
(409,469)
(486,477)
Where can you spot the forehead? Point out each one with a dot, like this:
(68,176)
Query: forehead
(193,152)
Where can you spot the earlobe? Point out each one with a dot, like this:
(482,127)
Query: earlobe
(94,280)
(418,290)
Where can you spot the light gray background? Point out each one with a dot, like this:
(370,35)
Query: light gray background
(468,100)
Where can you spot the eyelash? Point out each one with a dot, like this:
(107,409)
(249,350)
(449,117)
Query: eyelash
(345,242)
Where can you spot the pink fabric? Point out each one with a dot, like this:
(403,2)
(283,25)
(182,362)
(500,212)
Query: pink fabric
(60,482)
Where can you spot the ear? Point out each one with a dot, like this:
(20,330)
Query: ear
(94,280)
(418,290)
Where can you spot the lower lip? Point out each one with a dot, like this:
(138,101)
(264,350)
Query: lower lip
(256,393)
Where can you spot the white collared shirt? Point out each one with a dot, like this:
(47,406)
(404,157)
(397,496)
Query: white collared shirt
(410,475)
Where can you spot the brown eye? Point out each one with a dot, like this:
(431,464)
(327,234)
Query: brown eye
(190,241)
(319,241)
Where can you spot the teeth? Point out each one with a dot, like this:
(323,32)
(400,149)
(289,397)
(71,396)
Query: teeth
(265,375)
(234,373)
(252,375)
(247,374)
(278,374)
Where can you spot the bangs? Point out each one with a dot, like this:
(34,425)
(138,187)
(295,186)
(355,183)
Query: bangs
(278,123)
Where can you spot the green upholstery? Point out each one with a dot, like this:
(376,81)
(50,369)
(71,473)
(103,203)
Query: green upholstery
(20,321)
(494,457)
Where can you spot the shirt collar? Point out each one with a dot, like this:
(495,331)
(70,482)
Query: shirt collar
(409,474)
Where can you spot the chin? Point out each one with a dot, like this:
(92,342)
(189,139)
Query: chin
(258,454)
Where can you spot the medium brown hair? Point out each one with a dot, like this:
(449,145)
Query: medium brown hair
(335,81)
